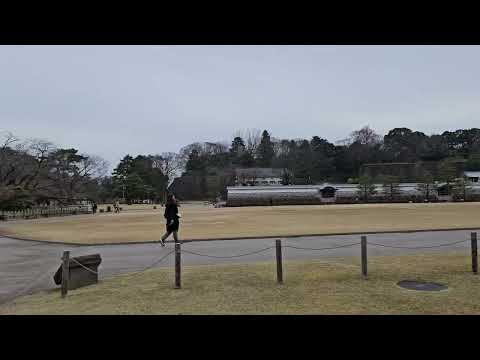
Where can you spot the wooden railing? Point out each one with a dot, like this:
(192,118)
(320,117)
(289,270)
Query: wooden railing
(35,213)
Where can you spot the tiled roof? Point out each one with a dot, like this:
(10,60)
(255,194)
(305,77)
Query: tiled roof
(259,172)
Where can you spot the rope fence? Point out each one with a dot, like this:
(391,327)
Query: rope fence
(86,268)
(417,247)
(229,257)
(156,262)
(321,249)
(278,247)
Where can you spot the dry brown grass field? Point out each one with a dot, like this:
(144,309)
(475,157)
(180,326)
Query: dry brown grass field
(141,223)
(311,287)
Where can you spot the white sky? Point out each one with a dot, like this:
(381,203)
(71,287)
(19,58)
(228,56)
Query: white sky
(114,100)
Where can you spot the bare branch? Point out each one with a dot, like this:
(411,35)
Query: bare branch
(8,139)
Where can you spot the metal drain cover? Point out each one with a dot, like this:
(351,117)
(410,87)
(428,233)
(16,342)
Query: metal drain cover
(421,285)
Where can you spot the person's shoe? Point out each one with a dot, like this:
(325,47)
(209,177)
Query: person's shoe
(162,242)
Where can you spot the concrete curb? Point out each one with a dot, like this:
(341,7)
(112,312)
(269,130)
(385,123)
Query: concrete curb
(242,238)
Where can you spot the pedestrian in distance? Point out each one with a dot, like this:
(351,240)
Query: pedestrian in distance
(172,217)
(117,207)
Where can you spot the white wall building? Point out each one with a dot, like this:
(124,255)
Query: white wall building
(327,193)
(472,176)
(258,177)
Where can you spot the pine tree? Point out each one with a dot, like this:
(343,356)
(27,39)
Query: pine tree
(303,164)
(238,146)
(286,177)
(323,154)
(426,185)
(462,189)
(447,171)
(195,162)
(366,188)
(390,186)
(120,175)
(265,151)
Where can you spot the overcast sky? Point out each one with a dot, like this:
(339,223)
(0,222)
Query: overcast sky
(114,100)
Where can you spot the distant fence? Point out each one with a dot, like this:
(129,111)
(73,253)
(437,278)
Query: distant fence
(35,213)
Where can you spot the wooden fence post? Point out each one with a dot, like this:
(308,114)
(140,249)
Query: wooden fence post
(65,272)
(364,256)
(178,283)
(278,247)
(474,253)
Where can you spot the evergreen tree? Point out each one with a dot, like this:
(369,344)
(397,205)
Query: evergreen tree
(303,164)
(153,179)
(323,155)
(238,146)
(390,186)
(247,160)
(426,185)
(286,177)
(265,151)
(106,190)
(195,161)
(447,171)
(473,162)
(292,156)
(239,154)
(135,188)
(120,175)
(366,188)
(462,189)
(138,179)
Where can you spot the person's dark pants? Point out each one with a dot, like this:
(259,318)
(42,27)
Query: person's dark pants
(172,229)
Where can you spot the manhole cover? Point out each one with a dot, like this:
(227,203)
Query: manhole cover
(421,285)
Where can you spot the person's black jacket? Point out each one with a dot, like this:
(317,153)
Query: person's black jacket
(171,211)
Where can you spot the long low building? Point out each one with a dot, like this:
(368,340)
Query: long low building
(327,193)
(271,195)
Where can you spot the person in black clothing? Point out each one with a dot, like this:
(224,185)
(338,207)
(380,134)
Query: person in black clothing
(171,215)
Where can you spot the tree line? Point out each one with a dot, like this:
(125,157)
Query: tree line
(34,172)
(316,159)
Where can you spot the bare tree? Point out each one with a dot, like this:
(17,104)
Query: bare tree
(251,138)
(35,170)
(365,136)
(185,152)
(93,166)
(23,168)
(344,142)
(40,149)
(171,164)
(215,148)
(19,165)
(8,140)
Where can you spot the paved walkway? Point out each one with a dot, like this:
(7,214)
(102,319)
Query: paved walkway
(28,266)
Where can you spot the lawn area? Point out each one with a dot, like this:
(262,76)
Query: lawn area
(311,287)
(142,223)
